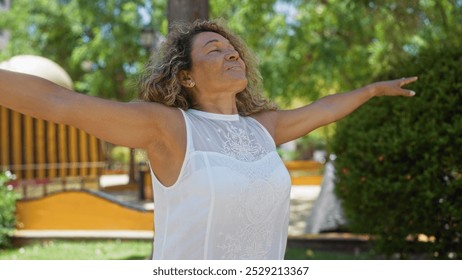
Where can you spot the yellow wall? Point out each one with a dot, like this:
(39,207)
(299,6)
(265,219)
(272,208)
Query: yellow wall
(80,211)
(305,172)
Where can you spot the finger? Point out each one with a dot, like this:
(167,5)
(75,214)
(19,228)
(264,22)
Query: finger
(405,81)
(406,93)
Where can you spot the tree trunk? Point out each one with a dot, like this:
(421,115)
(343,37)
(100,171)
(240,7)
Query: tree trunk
(186,11)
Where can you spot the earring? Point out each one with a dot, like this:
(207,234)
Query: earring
(191,84)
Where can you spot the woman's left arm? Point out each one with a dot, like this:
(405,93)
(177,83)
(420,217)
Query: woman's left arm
(291,124)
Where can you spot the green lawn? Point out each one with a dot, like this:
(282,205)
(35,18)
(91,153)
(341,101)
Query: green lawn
(130,250)
(80,250)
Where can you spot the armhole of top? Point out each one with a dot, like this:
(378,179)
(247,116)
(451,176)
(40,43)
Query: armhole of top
(265,130)
(185,159)
(189,139)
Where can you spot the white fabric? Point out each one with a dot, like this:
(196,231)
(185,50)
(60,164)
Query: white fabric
(327,213)
(231,200)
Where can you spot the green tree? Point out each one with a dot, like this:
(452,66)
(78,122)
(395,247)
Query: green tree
(96,41)
(306,48)
(400,171)
(311,48)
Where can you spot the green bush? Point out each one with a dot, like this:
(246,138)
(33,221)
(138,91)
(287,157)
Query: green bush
(7,209)
(120,155)
(399,161)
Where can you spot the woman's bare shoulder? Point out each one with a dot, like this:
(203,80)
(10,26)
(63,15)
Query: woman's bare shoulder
(268,119)
(157,113)
(167,119)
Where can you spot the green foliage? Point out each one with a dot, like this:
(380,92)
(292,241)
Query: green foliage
(399,161)
(306,48)
(97,42)
(120,155)
(7,209)
(309,49)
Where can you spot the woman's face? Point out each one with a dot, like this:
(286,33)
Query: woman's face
(216,65)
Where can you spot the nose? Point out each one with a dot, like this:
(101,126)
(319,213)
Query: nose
(232,55)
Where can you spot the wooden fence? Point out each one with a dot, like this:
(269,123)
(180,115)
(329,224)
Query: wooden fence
(38,151)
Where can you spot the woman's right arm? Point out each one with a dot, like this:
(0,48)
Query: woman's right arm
(134,125)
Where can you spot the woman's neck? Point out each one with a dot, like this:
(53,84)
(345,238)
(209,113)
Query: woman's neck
(218,104)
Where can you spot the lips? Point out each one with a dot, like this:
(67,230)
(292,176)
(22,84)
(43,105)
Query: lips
(234,67)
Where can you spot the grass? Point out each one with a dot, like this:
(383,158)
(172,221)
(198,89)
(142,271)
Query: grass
(132,250)
(80,250)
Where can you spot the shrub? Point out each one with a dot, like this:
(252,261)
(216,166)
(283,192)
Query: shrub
(7,209)
(399,161)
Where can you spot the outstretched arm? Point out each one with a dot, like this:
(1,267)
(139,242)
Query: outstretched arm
(291,124)
(129,124)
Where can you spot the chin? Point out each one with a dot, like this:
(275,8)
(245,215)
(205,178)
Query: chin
(238,85)
(243,85)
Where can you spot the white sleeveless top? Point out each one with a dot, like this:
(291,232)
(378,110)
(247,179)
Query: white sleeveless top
(231,199)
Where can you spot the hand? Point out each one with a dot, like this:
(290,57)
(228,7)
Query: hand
(393,87)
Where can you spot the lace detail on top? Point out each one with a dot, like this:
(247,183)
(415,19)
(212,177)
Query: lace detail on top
(230,135)
(242,146)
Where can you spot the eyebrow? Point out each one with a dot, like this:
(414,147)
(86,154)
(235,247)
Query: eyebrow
(210,41)
(214,41)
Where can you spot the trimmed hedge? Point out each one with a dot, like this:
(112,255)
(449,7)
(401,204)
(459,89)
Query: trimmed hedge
(7,209)
(399,161)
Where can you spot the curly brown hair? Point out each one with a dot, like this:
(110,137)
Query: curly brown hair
(160,81)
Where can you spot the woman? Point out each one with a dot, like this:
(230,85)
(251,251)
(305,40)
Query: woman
(221,191)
